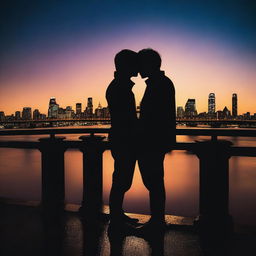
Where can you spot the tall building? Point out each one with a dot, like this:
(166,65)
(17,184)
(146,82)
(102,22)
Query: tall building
(78,109)
(26,113)
(211,104)
(234,105)
(17,115)
(226,112)
(69,112)
(61,113)
(190,108)
(53,108)
(2,116)
(89,108)
(180,112)
(106,113)
(99,111)
(36,114)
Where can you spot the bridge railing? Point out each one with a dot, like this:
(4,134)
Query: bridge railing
(213,155)
(188,121)
(213,133)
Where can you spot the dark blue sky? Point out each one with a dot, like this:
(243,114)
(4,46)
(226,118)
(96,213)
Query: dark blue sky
(25,24)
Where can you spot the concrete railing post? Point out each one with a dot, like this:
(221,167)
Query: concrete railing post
(92,150)
(53,176)
(214,185)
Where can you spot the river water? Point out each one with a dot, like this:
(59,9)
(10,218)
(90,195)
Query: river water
(20,178)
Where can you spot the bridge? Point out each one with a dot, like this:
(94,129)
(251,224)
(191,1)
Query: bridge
(186,121)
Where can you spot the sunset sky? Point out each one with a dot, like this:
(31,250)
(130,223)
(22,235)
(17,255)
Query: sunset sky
(65,49)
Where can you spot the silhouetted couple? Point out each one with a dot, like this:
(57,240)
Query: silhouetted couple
(145,139)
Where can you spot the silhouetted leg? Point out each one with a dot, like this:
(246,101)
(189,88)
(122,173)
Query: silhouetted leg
(157,243)
(152,172)
(122,179)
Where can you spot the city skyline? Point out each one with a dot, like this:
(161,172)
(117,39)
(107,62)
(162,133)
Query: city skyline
(67,50)
(189,110)
(200,107)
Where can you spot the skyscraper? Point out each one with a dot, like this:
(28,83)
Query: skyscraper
(36,114)
(62,113)
(26,113)
(99,111)
(78,108)
(89,108)
(17,115)
(53,108)
(234,105)
(69,112)
(190,108)
(211,104)
(105,112)
(2,116)
(180,112)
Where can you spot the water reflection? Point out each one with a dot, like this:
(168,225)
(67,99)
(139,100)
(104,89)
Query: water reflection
(20,174)
(20,177)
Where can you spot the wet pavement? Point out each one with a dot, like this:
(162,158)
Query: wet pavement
(23,231)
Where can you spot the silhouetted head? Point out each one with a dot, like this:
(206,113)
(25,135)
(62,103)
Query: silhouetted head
(126,62)
(149,62)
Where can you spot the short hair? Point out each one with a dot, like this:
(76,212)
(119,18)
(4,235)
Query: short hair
(151,57)
(125,59)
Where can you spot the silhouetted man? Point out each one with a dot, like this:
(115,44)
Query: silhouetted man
(122,107)
(157,136)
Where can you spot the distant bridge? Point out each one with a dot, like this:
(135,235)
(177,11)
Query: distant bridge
(186,121)
(71,120)
(217,122)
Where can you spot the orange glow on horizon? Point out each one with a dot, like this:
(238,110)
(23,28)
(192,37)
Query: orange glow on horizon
(196,69)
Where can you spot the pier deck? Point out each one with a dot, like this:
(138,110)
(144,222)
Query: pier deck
(23,232)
